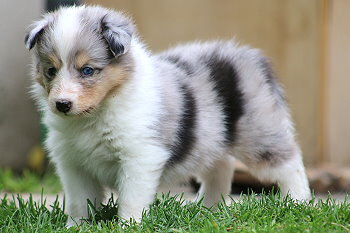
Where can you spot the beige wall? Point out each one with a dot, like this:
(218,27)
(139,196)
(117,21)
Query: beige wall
(288,31)
(338,84)
(19,129)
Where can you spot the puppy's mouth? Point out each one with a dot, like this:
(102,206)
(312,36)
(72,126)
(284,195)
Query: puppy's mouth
(84,113)
(87,112)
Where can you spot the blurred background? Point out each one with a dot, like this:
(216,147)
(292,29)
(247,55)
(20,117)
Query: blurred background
(307,41)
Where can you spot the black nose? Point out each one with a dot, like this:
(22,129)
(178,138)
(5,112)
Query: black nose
(63,105)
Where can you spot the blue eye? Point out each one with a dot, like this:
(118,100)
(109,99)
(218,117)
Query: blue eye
(87,71)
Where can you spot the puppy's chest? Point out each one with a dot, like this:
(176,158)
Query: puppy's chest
(97,149)
(94,145)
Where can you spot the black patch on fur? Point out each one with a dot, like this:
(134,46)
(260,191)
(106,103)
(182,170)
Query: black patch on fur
(183,65)
(117,31)
(186,131)
(32,39)
(266,156)
(112,39)
(273,158)
(225,78)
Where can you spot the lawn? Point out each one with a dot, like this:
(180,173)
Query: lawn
(252,213)
(29,182)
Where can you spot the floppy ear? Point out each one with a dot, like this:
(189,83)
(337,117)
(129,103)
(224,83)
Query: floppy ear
(117,30)
(34,34)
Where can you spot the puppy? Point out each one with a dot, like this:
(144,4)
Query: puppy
(121,117)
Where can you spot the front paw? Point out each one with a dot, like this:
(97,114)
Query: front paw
(127,215)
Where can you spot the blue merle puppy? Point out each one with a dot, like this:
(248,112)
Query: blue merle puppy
(122,117)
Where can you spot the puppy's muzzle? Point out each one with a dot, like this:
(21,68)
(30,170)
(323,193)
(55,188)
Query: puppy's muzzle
(63,105)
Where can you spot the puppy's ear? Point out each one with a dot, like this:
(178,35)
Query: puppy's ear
(36,31)
(117,30)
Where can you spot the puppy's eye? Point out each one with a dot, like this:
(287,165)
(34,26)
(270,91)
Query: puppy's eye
(51,72)
(87,71)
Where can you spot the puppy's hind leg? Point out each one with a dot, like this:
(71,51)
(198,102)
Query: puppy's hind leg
(216,181)
(289,174)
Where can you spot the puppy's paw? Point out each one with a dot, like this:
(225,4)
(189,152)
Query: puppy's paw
(129,215)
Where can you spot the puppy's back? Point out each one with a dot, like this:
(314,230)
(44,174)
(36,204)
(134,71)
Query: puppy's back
(216,95)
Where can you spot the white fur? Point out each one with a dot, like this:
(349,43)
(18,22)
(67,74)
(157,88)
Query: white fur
(120,146)
(111,147)
(66,30)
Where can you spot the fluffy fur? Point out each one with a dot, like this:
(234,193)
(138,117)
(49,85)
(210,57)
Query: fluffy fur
(141,120)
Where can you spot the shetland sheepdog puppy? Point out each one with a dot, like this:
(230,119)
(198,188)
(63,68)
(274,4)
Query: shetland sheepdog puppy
(119,116)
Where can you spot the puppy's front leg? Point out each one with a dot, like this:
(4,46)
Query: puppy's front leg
(138,182)
(78,187)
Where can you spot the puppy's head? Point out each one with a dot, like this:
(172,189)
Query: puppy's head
(81,56)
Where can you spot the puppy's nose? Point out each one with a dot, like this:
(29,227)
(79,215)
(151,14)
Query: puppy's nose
(63,105)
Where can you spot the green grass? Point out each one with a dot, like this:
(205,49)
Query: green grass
(29,182)
(268,213)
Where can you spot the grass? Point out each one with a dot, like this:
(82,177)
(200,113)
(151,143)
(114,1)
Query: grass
(267,213)
(29,182)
